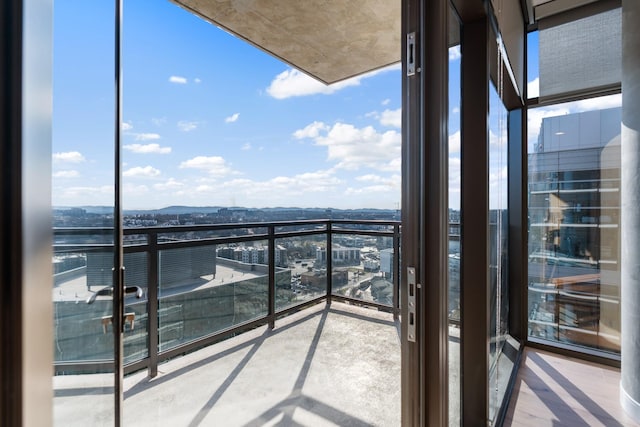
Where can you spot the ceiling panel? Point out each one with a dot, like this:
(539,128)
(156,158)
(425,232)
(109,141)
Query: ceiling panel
(330,40)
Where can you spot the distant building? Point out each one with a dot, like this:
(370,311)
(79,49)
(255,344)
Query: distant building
(339,256)
(574,233)
(386,263)
(175,265)
(318,279)
(254,255)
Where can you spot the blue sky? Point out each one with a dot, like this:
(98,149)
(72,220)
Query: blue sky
(210,120)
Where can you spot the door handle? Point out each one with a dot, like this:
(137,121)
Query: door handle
(108,291)
(127,318)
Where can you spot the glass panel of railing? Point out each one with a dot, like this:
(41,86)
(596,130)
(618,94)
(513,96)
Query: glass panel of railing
(362,267)
(300,273)
(136,316)
(82,316)
(130,239)
(312,226)
(208,288)
(377,226)
(210,232)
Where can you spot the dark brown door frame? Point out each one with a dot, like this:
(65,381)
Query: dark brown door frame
(25,217)
(425,212)
(474,273)
(11,213)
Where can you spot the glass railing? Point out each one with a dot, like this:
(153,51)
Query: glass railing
(200,284)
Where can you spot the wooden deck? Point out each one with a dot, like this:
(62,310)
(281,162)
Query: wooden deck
(554,390)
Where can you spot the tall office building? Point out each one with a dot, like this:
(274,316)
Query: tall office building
(574,237)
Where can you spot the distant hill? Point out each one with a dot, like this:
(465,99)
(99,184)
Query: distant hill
(181,210)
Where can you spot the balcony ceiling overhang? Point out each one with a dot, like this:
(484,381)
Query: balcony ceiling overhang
(331,40)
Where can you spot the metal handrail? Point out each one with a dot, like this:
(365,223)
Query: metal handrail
(272,231)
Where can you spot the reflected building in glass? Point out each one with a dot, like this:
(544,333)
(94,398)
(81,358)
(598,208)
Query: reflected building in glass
(574,237)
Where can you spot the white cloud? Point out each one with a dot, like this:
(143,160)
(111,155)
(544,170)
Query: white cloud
(534,119)
(353,148)
(147,148)
(159,121)
(131,190)
(596,103)
(455,110)
(385,102)
(169,185)
(535,115)
(68,156)
(287,186)
(292,83)
(454,143)
(197,80)
(187,126)
(141,172)
(246,146)
(497,141)
(232,118)
(146,136)
(388,181)
(88,194)
(371,189)
(391,118)
(178,80)
(66,174)
(126,126)
(533,88)
(214,165)
(311,131)
(454,53)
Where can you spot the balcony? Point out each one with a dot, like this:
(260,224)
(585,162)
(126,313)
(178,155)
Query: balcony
(326,365)
(253,290)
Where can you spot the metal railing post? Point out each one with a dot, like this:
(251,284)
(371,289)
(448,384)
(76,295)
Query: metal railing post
(272,277)
(329,262)
(152,302)
(396,271)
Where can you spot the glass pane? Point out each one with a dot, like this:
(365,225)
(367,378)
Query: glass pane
(135,339)
(454,221)
(83,198)
(205,289)
(498,248)
(362,267)
(574,214)
(301,273)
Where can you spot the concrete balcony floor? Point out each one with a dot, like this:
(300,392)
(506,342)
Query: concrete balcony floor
(322,366)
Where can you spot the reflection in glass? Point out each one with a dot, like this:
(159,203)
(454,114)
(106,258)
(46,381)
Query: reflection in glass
(83,147)
(498,249)
(363,267)
(574,212)
(454,221)
(205,289)
(300,276)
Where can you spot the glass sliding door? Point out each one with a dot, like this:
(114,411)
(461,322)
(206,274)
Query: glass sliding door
(454,305)
(83,199)
(498,248)
(574,216)
(574,183)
